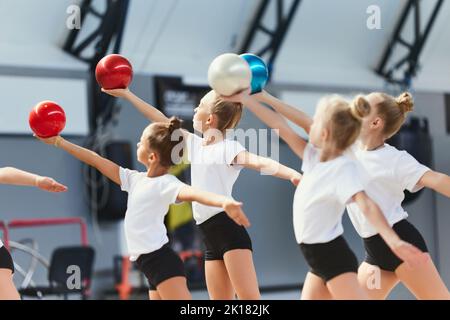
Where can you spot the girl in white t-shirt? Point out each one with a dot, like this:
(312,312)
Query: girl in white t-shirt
(150,194)
(385,173)
(12,176)
(215,165)
(330,181)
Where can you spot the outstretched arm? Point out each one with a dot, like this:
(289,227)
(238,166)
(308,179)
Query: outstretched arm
(105,166)
(149,111)
(272,119)
(437,181)
(13,176)
(295,115)
(405,251)
(267,166)
(230,206)
(275,121)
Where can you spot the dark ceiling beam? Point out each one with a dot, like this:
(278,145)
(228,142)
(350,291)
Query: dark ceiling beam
(108,35)
(388,67)
(269,51)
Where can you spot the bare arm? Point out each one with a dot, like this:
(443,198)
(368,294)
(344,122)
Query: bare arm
(275,121)
(437,181)
(376,218)
(295,115)
(272,119)
(13,176)
(105,166)
(267,166)
(149,111)
(230,206)
(405,251)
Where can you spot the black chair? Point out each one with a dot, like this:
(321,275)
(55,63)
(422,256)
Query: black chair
(66,264)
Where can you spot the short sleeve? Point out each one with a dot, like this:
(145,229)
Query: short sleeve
(408,171)
(232,149)
(349,183)
(310,157)
(171,189)
(127,178)
(192,143)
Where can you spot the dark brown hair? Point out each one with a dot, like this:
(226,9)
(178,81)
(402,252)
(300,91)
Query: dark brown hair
(162,141)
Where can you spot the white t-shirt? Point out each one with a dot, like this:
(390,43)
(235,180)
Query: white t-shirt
(148,203)
(1,243)
(385,174)
(212,170)
(322,195)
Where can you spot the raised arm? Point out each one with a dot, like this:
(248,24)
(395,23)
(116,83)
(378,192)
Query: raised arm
(105,166)
(405,251)
(230,206)
(295,115)
(149,111)
(437,181)
(13,176)
(272,119)
(275,121)
(267,166)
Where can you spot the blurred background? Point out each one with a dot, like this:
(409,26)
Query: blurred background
(49,50)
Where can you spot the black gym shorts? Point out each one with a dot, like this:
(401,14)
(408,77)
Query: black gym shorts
(160,265)
(331,259)
(379,254)
(6,261)
(221,234)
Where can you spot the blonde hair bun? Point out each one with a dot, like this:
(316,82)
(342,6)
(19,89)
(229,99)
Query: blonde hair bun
(359,107)
(405,102)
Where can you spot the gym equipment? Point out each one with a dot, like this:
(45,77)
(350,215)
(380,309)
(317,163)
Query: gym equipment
(47,119)
(260,72)
(228,74)
(114,72)
(60,264)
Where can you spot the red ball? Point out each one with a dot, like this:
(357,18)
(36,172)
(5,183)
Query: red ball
(47,119)
(114,72)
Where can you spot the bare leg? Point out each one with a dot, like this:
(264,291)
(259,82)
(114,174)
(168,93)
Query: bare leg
(376,282)
(154,295)
(242,273)
(424,281)
(7,289)
(346,287)
(174,289)
(315,288)
(217,280)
